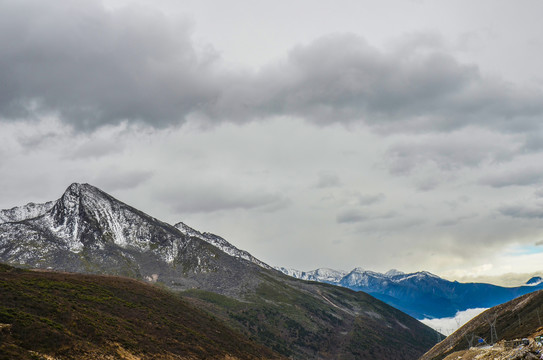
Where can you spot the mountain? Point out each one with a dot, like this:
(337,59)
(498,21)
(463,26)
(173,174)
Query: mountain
(516,319)
(536,280)
(89,231)
(220,243)
(46,315)
(422,294)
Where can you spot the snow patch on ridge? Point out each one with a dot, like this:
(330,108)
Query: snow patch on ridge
(358,277)
(28,211)
(322,274)
(220,243)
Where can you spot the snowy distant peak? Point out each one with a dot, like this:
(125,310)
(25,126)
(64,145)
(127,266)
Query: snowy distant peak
(394,272)
(358,272)
(329,273)
(427,274)
(358,277)
(325,275)
(322,274)
(28,211)
(221,243)
(298,274)
(536,280)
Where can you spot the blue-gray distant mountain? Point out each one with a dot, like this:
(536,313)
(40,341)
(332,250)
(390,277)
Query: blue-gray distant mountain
(421,294)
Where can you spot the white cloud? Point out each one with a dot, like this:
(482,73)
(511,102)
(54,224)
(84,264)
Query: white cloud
(447,326)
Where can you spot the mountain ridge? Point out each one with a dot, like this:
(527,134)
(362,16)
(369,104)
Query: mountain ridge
(513,320)
(422,294)
(89,231)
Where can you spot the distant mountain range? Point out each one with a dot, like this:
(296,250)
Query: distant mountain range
(89,231)
(421,294)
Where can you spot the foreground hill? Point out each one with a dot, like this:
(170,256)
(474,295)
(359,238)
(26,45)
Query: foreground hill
(89,231)
(74,316)
(516,319)
(422,294)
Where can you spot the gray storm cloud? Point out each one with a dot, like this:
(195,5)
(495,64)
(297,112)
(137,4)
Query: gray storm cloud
(515,177)
(217,197)
(92,67)
(533,211)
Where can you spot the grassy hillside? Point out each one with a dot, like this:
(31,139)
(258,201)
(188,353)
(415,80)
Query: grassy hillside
(308,320)
(516,319)
(73,316)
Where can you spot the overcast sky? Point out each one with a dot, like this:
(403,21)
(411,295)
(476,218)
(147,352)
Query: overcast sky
(375,134)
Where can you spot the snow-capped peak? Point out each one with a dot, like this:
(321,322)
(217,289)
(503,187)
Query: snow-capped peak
(394,272)
(358,277)
(321,274)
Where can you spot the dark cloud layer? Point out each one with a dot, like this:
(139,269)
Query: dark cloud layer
(449,152)
(93,66)
(328,180)
(522,211)
(366,200)
(516,177)
(218,197)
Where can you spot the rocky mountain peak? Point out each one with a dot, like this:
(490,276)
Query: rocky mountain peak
(70,200)
(76,192)
(73,200)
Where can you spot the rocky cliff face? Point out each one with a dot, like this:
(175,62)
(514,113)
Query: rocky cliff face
(87,230)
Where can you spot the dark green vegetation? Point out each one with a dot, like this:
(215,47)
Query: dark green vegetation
(312,320)
(72,316)
(516,319)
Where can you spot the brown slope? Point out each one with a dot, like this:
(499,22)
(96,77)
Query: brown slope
(516,319)
(309,320)
(74,316)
